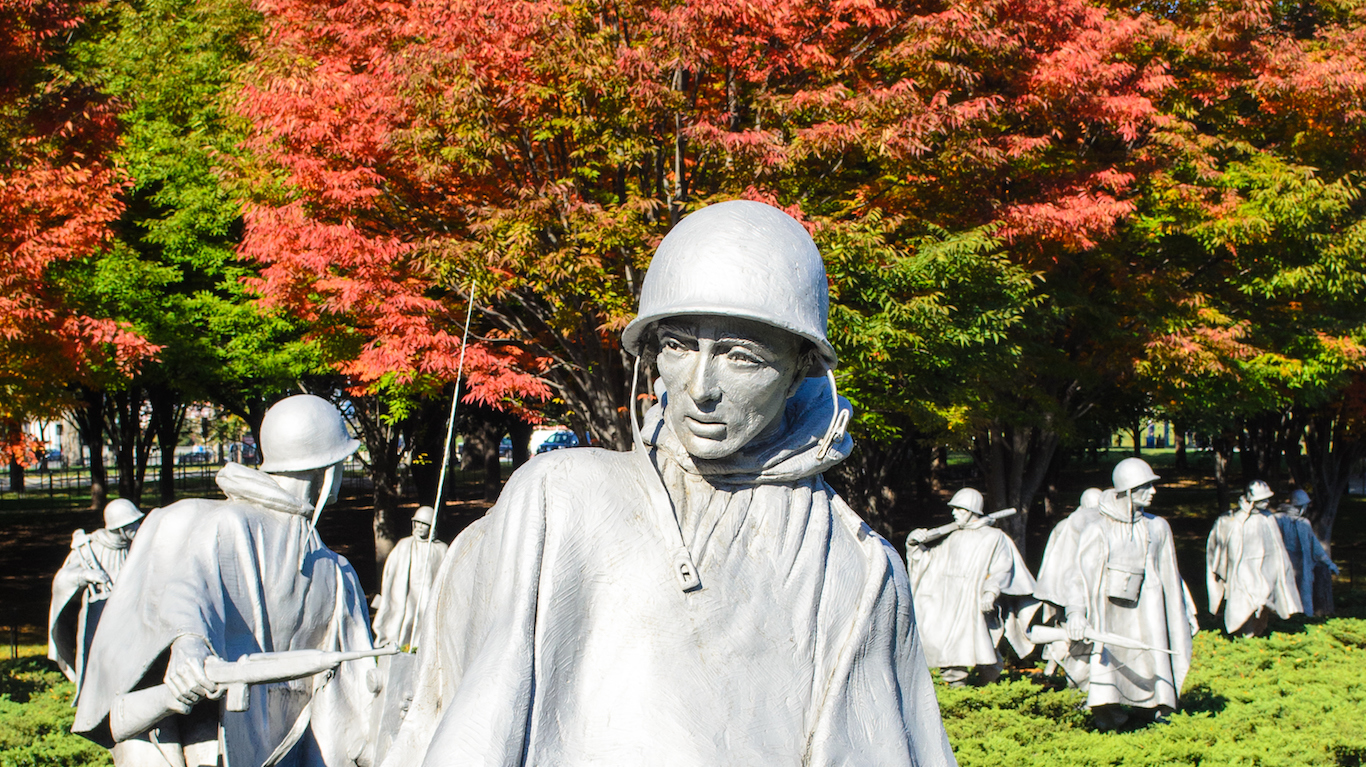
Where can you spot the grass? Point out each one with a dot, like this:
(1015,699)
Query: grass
(1297,697)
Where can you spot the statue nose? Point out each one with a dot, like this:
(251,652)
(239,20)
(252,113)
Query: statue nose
(702,385)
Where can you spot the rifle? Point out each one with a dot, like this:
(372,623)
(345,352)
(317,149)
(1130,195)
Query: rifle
(80,543)
(935,533)
(1047,634)
(136,712)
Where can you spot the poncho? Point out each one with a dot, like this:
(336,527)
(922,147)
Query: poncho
(1246,567)
(1305,550)
(76,606)
(1074,575)
(643,608)
(408,574)
(249,575)
(948,579)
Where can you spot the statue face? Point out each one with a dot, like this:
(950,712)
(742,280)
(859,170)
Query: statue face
(1143,495)
(961,516)
(728,381)
(127,532)
(420,530)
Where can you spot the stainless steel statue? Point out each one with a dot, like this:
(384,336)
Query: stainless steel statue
(1247,567)
(211,592)
(408,575)
(971,589)
(85,581)
(1111,568)
(1313,567)
(705,598)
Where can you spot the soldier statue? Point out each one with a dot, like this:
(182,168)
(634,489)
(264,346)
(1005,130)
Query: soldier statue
(209,582)
(408,574)
(705,598)
(1314,569)
(1247,567)
(971,589)
(1111,569)
(84,583)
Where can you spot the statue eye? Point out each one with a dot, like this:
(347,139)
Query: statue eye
(674,345)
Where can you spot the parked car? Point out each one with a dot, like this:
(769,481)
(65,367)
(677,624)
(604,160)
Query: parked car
(52,460)
(196,454)
(505,448)
(558,440)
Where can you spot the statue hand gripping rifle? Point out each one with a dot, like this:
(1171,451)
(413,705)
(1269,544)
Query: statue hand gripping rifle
(209,580)
(1247,567)
(1111,568)
(83,584)
(705,598)
(971,588)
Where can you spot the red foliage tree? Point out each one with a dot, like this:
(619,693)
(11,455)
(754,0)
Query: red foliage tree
(58,199)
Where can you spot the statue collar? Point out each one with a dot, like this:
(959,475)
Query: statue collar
(240,483)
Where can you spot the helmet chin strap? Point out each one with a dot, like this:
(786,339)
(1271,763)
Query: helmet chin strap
(631,406)
(839,421)
(324,494)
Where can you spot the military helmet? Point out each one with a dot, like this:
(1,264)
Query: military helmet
(304,432)
(968,500)
(1299,498)
(738,259)
(1090,498)
(120,512)
(1258,490)
(1131,473)
(424,514)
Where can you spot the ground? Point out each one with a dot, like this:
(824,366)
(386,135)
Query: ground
(1297,697)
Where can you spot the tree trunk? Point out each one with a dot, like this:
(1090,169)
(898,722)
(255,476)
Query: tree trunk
(1179,442)
(90,423)
(168,416)
(939,469)
(1137,433)
(875,481)
(1223,453)
(132,443)
(387,443)
(16,476)
(1014,460)
(520,434)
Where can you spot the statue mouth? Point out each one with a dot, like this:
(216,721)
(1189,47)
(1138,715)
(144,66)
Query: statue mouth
(715,430)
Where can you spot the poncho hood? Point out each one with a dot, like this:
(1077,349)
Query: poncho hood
(240,483)
(788,457)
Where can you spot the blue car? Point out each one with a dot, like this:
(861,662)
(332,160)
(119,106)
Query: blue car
(558,440)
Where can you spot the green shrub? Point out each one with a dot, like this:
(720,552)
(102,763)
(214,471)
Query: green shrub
(1294,698)
(36,716)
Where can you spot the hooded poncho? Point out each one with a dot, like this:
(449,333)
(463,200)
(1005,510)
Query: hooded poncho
(249,575)
(645,608)
(76,605)
(408,574)
(948,580)
(1305,551)
(1247,567)
(1081,558)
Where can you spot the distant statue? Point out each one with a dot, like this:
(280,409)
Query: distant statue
(408,575)
(706,598)
(84,582)
(971,588)
(1247,567)
(1314,569)
(1111,569)
(209,582)
(1090,498)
